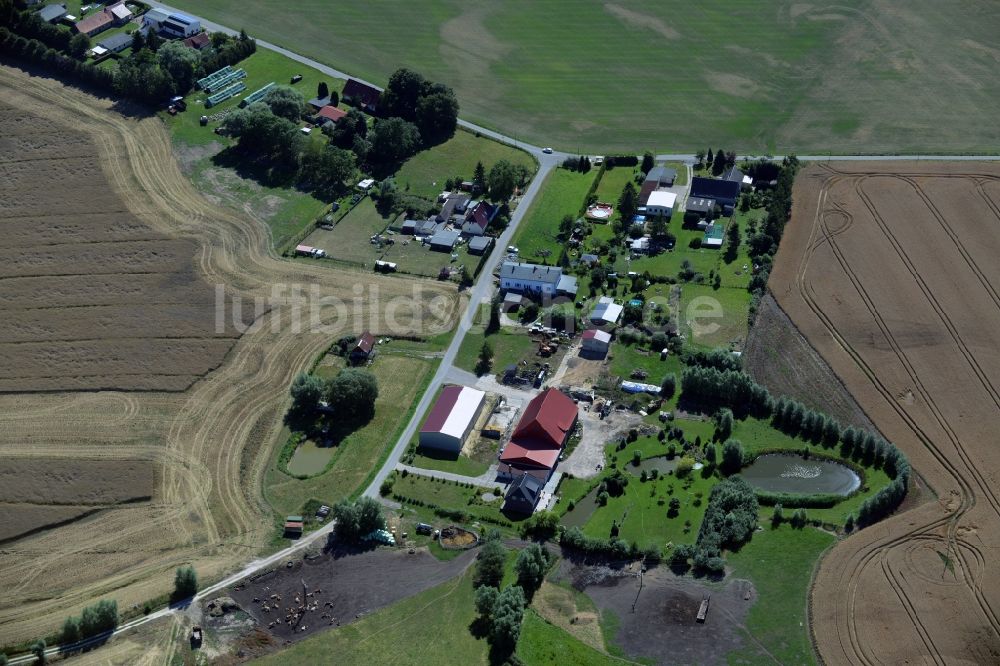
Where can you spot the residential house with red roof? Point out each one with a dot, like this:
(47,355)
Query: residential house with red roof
(363,349)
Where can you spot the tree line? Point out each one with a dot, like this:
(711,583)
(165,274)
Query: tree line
(730,520)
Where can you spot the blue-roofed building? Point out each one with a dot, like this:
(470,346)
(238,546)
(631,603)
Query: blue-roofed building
(180,26)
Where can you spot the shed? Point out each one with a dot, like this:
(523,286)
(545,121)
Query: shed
(52,13)
(606,311)
(319,102)
(590,259)
(198,42)
(512,301)
(661,175)
(451,419)
(480,245)
(364,348)
(445,240)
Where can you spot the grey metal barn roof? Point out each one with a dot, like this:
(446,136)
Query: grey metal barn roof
(447,238)
(662,174)
(480,243)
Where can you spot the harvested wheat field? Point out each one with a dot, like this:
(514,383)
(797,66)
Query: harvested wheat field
(140,306)
(890,271)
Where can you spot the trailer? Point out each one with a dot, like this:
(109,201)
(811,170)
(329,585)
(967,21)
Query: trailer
(703,609)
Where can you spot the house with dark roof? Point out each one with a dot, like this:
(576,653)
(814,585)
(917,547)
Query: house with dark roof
(700,206)
(523,495)
(364,348)
(723,192)
(329,114)
(52,13)
(361,95)
(451,206)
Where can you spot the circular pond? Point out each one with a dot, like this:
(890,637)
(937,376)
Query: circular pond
(788,473)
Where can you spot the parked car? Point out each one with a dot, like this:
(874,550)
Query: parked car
(547,151)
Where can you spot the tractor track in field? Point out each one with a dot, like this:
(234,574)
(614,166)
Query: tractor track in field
(210,443)
(971,557)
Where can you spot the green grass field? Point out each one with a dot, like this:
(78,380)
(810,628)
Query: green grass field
(711,317)
(424,174)
(429,628)
(510,345)
(563,193)
(543,644)
(401,378)
(780,563)
(350,238)
(749,75)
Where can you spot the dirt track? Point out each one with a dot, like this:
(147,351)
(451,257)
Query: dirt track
(210,443)
(890,271)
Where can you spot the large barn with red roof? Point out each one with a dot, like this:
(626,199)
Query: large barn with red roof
(540,435)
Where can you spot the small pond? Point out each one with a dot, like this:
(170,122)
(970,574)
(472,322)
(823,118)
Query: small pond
(660,463)
(582,512)
(310,459)
(789,473)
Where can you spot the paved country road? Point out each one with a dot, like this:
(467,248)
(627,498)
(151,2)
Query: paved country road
(481,292)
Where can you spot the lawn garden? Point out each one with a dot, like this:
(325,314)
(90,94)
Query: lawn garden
(349,464)
(563,193)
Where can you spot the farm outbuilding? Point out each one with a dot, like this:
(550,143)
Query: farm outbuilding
(596,342)
(361,95)
(363,349)
(480,245)
(606,311)
(723,192)
(52,13)
(451,419)
(540,436)
(445,240)
(661,202)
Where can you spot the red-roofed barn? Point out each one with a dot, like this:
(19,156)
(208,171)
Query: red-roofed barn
(540,435)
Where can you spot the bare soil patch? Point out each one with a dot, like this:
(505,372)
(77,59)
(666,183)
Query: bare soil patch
(662,627)
(890,271)
(342,587)
(779,357)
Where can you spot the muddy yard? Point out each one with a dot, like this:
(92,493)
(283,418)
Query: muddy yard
(662,626)
(341,588)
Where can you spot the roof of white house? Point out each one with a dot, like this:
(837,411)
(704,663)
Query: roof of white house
(454,410)
(661,198)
